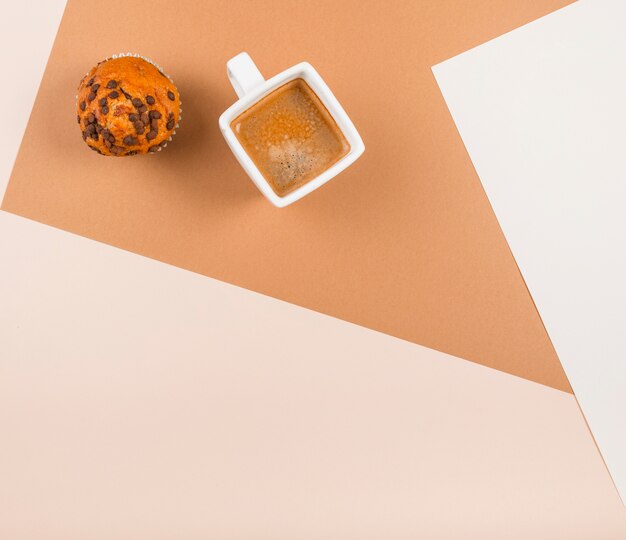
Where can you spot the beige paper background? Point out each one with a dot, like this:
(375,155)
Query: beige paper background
(404,242)
(138,400)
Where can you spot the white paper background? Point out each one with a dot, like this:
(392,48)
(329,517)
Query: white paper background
(542,112)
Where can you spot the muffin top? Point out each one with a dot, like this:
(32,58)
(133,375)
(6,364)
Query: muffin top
(127,106)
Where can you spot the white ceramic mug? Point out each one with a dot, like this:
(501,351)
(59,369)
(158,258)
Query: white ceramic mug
(250,86)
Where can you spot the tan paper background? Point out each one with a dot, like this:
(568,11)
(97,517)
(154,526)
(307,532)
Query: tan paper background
(404,242)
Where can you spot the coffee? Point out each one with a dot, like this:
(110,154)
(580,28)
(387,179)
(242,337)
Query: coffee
(290,136)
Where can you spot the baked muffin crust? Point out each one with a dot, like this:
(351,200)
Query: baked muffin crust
(127,106)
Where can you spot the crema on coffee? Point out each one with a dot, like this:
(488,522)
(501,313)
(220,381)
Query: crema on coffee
(290,136)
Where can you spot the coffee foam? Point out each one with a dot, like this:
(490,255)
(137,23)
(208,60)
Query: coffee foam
(290,136)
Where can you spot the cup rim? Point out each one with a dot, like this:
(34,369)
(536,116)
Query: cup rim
(308,73)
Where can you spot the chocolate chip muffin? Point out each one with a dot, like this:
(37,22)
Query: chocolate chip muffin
(126,105)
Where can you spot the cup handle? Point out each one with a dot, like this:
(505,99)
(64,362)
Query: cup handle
(243,74)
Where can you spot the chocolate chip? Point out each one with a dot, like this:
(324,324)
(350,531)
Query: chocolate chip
(95,87)
(90,82)
(82,105)
(170,124)
(151,135)
(137,102)
(91,96)
(155,114)
(170,116)
(139,125)
(85,135)
(99,128)
(131,153)
(107,143)
(145,118)
(78,119)
(90,129)
(111,138)
(103,101)
(115,94)
(91,118)
(171,95)
(104,110)
(117,149)
(111,84)
(133,117)
(150,100)
(153,149)
(129,140)
(126,94)
(154,123)
(142,109)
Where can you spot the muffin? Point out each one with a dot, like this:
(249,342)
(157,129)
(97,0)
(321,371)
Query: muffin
(127,106)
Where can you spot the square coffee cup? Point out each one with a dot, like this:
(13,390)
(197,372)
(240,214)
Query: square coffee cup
(251,87)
